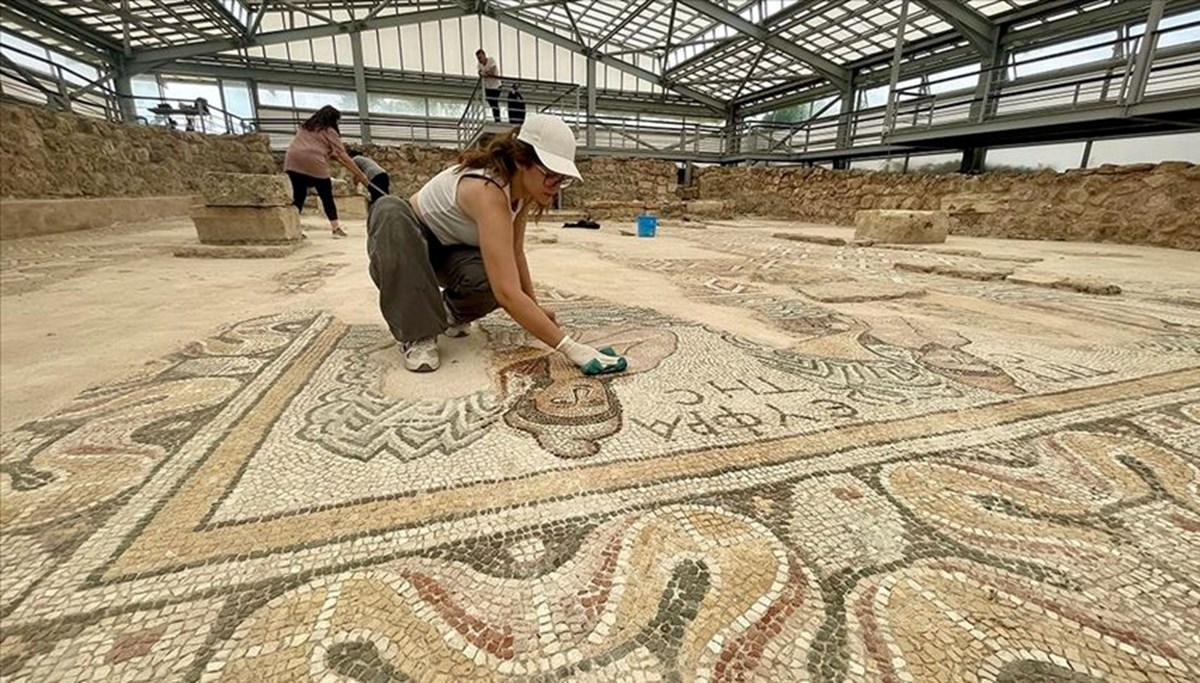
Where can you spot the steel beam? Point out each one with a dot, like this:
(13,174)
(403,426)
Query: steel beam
(1145,56)
(631,13)
(255,21)
(836,73)
(124,87)
(1054,32)
(233,22)
(142,59)
(973,25)
(889,119)
(64,24)
(392,82)
(35,80)
(993,73)
(621,65)
(845,129)
(591,102)
(360,87)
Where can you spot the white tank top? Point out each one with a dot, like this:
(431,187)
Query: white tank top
(437,203)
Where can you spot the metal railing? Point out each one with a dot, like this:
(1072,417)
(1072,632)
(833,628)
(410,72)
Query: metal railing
(478,112)
(1172,71)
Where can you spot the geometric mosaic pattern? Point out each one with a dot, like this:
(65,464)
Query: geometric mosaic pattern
(885,500)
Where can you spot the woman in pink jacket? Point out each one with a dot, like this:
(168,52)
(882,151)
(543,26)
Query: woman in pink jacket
(318,142)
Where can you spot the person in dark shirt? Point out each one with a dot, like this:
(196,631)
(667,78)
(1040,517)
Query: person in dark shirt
(380,182)
(516,105)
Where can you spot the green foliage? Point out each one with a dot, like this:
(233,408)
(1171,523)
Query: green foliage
(793,114)
(952,166)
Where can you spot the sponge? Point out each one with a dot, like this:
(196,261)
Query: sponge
(593,367)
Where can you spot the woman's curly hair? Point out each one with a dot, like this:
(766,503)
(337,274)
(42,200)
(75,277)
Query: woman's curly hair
(504,155)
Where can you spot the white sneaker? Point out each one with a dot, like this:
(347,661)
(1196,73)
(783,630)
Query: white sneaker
(421,355)
(456,329)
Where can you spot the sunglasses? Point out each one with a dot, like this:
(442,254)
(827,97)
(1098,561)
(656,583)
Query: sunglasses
(555,180)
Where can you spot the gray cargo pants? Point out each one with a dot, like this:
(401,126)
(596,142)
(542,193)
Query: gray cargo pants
(408,263)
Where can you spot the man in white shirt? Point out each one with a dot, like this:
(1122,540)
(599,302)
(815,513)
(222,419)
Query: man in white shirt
(490,73)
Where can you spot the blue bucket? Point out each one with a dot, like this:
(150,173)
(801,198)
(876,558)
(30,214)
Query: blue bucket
(646,225)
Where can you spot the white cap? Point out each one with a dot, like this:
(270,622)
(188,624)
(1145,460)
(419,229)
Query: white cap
(553,141)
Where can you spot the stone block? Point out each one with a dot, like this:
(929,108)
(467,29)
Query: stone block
(247,189)
(246,224)
(901,227)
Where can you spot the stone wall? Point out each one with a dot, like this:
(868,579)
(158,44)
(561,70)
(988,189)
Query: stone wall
(1154,204)
(606,179)
(47,154)
(613,186)
(647,181)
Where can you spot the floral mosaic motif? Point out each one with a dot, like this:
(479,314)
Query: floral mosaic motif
(682,592)
(886,499)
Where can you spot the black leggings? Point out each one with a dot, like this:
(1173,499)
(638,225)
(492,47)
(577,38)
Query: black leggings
(383,182)
(300,185)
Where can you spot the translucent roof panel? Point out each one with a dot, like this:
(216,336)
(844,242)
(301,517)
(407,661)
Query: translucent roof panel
(614,25)
(993,8)
(714,51)
(153,23)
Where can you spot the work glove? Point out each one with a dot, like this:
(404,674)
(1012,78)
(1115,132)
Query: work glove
(591,361)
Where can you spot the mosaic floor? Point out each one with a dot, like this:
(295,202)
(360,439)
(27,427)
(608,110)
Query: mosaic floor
(939,483)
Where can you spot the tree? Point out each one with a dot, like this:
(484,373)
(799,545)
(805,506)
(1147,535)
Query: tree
(796,113)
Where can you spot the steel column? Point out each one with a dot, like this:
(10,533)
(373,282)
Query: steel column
(889,118)
(360,87)
(591,102)
(1145,56)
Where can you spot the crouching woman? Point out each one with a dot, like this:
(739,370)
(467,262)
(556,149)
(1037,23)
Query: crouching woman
(455,250)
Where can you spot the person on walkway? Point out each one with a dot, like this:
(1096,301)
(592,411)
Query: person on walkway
(516,105)
(317,142)
(465,231)
(381,182)
(490,74)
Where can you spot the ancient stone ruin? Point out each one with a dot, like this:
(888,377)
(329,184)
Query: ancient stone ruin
(245,209)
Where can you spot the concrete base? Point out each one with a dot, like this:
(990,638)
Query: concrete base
(26,217)
(246,225)
(902,227)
